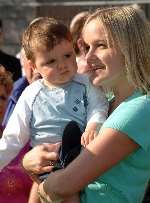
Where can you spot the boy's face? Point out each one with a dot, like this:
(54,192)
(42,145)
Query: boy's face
(58,65)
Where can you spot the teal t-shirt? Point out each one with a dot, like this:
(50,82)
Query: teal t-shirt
(127,181)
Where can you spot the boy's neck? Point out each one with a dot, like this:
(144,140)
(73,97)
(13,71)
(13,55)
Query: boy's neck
(53,86)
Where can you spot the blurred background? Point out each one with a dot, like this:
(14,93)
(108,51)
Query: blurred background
(16,14)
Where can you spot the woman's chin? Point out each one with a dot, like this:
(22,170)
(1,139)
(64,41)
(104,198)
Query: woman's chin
(95,81)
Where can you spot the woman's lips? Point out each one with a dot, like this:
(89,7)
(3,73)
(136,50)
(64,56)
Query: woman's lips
(96,67)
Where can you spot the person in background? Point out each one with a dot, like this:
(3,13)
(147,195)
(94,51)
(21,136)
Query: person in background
(14,182)
(11,63)
(115,166)
(76,26)
(19,189)
(6,84)
(19,86)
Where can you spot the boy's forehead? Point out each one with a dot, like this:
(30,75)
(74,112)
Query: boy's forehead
(50,44)
(62,46)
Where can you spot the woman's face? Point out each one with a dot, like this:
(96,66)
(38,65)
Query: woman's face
(105,62)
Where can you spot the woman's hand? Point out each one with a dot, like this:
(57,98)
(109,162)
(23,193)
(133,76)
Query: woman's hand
(39,159)
(45,198)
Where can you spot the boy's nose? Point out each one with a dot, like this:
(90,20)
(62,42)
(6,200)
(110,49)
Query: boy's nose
(62,67)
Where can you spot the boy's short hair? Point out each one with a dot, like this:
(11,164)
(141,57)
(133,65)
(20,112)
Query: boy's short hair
(43,34)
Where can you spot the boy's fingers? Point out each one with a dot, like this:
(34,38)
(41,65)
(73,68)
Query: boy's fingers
(83,140)
(91,137)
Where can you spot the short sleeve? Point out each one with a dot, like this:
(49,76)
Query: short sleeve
(132,117)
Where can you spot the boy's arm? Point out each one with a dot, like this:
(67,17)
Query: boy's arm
(90,133)
(97,109)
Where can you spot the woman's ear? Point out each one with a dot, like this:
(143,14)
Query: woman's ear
(80,45)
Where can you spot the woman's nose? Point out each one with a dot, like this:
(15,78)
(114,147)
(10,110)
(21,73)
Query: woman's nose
(89,56)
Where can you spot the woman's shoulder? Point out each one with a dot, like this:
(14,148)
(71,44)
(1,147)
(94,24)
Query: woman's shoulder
(132,118)
(136,104)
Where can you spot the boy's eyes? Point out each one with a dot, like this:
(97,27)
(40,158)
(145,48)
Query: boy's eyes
(53,60)
(68,55)
(49,62)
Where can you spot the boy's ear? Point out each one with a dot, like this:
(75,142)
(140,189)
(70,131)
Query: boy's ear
(32,65)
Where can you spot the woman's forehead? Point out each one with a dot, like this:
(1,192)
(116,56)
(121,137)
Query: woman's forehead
(94,30)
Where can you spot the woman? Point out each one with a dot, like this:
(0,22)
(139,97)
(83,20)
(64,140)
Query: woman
(114,167)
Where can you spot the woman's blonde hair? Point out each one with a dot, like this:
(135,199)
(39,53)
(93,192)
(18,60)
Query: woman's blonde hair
(130,31)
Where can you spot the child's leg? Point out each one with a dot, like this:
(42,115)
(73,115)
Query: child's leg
(73,199)
(34,197)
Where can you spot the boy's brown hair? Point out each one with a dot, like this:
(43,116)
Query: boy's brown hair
(43,34)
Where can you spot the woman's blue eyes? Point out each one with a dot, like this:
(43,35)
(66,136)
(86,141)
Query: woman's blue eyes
(101,45)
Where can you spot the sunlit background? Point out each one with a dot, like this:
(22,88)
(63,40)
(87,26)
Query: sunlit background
(16,14)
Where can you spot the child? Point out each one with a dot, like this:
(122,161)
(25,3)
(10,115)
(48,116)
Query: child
(49,104)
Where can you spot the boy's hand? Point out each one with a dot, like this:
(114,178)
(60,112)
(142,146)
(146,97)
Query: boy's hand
(87,137)
(90,133)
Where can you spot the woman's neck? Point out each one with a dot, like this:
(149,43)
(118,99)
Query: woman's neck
(121,93)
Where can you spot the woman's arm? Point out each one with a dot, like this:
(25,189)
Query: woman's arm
(33,197)
(104,152)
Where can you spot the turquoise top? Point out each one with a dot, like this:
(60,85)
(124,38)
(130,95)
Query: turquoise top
(126,182)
